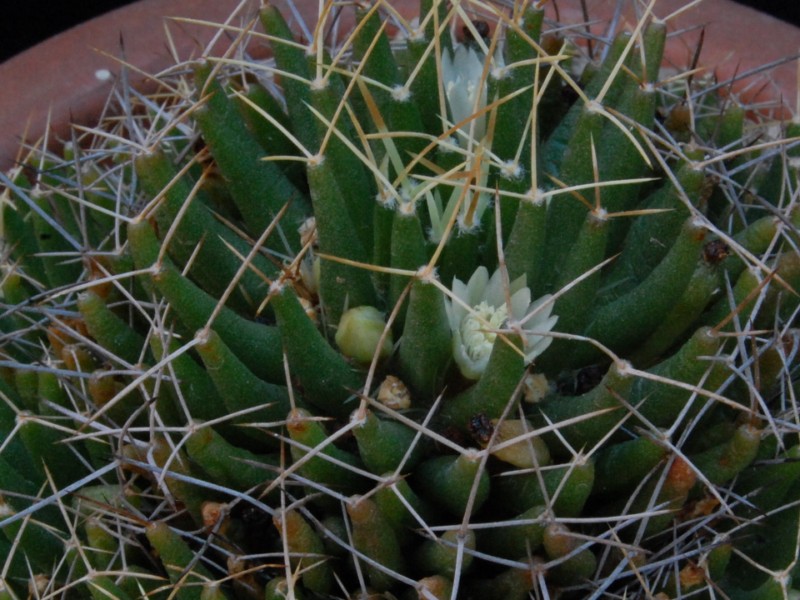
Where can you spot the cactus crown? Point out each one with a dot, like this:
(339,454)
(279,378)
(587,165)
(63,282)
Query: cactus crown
(423,308)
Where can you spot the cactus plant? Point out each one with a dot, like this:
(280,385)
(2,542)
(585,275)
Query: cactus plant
(446,313)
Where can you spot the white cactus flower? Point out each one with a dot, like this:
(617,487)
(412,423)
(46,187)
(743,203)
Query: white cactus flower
(475,328)
(461,75)
(465,87)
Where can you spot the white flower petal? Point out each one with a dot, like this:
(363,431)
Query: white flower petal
(520,283)
(448,69)
(476,286)
(541,344)
(461,76)
(460,289)
(520,300)
(539,311)
(548,325)
(471,369)
(495,294)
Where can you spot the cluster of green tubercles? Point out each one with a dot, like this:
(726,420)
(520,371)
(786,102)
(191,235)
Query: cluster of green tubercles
(436,315)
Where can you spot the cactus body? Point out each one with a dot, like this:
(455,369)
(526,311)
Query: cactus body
(400,315)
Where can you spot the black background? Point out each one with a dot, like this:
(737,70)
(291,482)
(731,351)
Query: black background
(24,23)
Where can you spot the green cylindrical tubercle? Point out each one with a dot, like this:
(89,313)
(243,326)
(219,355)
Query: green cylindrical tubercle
(425,346)
(554,148)
(239,388)
(328,380)
(255,344)
(258,187)
(110,330)
(408,250)
(564,488)
(198,236)
(305,550)
(755,238)
(198,394)
(650,236)
(586,253)
(26,383)
(512,584)
(341,285)
(228,464)
(577,564)
(435,586)
(565,213)
(521,535)
(372,46)
(447,555)
(637,313)
(667,490)
(52,455)
(55,241)
(525,247)
(663,401)
(598,412)
(622,466)
(291,58)
(512,124)
(102,587)
(14,452)
(315,454)
(184,570)
(38,544)
(16,230)
(425,87)
(771,589)
(374,536)
(737,306)
(385,444)
(406,515)
(453,482)
(338,133)
(255,98)
(496,388)
(102,542)
(781,300)
(702,288)
(767,485)
(173,461)
(721,463)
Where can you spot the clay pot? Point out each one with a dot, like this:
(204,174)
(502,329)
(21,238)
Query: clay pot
(737,42)
(68,77)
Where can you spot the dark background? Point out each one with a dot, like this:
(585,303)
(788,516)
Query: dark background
(24,23)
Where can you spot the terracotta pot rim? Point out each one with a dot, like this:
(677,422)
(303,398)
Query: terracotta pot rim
(68,77)
(46,88)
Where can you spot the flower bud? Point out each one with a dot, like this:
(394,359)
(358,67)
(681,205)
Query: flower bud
(394,394)
(359,334)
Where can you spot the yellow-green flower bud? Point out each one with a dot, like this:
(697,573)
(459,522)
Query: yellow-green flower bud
(359,334)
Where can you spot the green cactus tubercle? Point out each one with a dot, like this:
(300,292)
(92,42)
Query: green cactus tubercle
(429,308)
